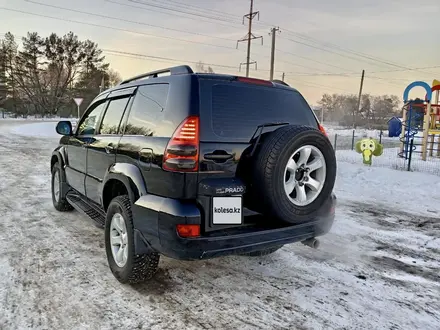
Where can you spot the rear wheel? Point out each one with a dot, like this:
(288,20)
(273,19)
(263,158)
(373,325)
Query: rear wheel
(125,265)
(58,198)
(294,173)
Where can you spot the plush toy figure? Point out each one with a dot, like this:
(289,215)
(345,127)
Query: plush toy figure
(369,147)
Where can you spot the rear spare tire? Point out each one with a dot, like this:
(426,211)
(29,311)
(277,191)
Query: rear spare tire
(294,173)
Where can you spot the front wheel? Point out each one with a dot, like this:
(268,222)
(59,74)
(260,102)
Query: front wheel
(58,199)
(125,265)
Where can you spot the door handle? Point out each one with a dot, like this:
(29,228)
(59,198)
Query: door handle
(217,156)
(109,148)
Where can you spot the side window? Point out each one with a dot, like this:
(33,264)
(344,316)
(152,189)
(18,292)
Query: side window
(89,123)
(113,115)
(147,112)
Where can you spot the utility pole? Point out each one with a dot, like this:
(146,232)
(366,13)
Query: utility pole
(359,99)
(249,37)
(283,76)
(273,32)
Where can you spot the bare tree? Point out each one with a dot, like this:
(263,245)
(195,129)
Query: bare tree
(374,110)
(113,77)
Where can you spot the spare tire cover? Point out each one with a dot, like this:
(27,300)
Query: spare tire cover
(294,173)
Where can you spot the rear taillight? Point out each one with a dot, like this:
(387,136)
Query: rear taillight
(254,81)
(322,129)
(182,152)
(188,231)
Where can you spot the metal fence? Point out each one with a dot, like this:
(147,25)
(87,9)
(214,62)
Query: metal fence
(344,144)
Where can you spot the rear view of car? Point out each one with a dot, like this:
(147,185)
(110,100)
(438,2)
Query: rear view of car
(249,130)
(265,169)
(195,166)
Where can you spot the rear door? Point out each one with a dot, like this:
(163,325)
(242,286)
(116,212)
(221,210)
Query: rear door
(102,148)
(148,128)
(230,113)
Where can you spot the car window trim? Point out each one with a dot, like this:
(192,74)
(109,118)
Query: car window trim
(88,111)
(134,97)
(109,100)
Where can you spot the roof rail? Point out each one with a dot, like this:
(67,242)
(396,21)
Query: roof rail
(181,69)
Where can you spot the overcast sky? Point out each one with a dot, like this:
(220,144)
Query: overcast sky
(384,37)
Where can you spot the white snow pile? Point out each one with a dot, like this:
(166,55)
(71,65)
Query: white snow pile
(409,191)
(390,159)
(44,129)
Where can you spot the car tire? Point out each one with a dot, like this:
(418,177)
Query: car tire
(272,177)
(264,252)
(126,266)
(58,199)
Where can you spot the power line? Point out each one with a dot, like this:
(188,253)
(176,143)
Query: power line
(305,37)
(360,54)
(198,8)
(135,32)
(142,23)
(312,84)
(198,19)
(165,28)
(334,46)
(326,44)
(310,59)
(350,57)
(114,28)
(329,51)
(384,71)
(183,11)
(145,56)
(166,59)
(125,20)
(299,35)
(190,41)
(227,67)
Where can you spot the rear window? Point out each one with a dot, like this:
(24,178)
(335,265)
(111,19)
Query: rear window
(237,109)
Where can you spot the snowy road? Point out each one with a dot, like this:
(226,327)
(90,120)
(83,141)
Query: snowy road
(377,269)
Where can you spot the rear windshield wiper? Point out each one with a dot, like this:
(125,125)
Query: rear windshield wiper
(261,127)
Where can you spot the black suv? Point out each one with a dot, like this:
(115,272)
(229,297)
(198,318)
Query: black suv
(195,166)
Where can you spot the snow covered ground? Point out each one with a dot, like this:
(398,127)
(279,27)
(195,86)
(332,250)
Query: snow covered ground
(390,159)
(377,269)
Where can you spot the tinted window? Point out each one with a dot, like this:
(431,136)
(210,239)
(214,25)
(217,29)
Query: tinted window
(147,112)
(237,110)
(88,125)
(113,115)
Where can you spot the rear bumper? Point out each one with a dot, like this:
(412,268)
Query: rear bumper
(155,221)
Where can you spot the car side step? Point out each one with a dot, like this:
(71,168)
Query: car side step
(82,206)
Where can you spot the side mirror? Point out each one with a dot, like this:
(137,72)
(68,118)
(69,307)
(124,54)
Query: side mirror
(64,128)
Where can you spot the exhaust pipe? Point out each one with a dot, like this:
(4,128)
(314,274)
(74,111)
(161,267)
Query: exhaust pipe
(312,242)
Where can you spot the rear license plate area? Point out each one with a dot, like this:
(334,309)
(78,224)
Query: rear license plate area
(227,210)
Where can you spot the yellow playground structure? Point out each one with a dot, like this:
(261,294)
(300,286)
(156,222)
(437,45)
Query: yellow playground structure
(421,116)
